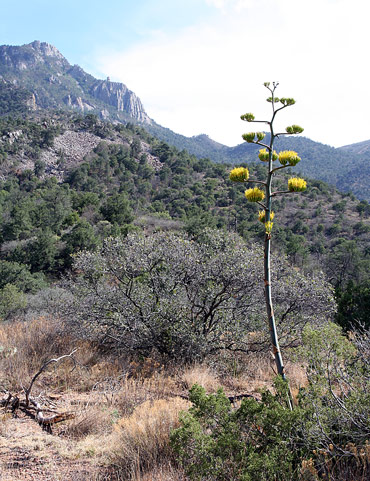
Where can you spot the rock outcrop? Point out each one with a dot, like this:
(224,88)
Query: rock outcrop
(78,103)
(120,97)
(54,83)
(31,55)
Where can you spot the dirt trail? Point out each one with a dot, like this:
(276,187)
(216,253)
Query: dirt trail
(29,454)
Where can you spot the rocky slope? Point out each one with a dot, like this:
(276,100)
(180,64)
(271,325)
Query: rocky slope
(53,83)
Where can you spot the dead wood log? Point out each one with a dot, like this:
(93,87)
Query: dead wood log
(46,417)
(232,399)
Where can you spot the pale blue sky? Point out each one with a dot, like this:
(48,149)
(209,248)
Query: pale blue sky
(198,64)
(80,28)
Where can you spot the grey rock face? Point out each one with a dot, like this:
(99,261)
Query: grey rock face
(29,56)
(40,68)
(120,97)
(78,103)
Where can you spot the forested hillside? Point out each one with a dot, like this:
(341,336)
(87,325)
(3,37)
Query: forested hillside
(69,181)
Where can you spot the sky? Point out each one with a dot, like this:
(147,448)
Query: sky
(197,65)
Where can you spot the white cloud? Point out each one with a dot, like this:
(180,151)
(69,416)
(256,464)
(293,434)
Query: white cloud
(236,5)
(200,79)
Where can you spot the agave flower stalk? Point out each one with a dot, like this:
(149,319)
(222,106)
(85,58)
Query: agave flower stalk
(269,156)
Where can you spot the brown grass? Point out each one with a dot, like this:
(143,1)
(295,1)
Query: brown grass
(125,408)
(140,442)
(4,420)
(202,375)
(27,345)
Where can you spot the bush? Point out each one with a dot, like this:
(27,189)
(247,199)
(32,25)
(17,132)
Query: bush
(11,301)
(325,437)
(187,299)
(260,440)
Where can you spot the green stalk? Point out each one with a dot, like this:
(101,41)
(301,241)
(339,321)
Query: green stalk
(267,264)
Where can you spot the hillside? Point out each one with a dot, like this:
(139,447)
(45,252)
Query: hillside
(109,177)
(36,77)
(120,249)
(358,148)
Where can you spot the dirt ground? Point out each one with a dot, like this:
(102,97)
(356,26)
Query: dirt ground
(27,453)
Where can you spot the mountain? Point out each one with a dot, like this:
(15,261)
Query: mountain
(54,83)
(358,148)
(348,170)
(37,77)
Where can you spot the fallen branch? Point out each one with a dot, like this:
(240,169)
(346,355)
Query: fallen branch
(30,406)
(34,410)
(44,366)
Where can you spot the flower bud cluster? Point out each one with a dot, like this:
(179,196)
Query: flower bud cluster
(268,227)
(294,129)
(275,99)
(296,184)
(264,155)
(248,117)
(249,137)
(262,216)
(287,101)
(254,195)
(289,157)
(239,174)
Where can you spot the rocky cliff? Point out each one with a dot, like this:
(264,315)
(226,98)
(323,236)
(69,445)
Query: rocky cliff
(120,97)
(54,83)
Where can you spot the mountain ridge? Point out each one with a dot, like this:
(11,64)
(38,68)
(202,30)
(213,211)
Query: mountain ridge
(53,83)
(46,73)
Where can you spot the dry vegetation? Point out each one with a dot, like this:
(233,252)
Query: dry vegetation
(124,408)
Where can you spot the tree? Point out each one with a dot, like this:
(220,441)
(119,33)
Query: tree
(11,300)
(18,275)
(353,305)
(185,299)
(42,251)
(117,209)
(241,174)
(82,236)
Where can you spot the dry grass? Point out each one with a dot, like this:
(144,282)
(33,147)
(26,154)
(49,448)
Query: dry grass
(4,420)
(27,345)
(125,409)
(202,375)
(90,420)
(140,442)
(162,473)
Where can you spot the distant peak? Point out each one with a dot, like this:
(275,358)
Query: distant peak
(45,49)
(201,136)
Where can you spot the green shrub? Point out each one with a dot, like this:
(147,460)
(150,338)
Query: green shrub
(259,440)
(325,437)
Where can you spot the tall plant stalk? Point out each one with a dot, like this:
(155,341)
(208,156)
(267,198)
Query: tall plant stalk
(241,174)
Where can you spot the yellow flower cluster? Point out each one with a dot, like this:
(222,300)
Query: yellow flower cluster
(262,215)
(239,174)
(268,227)
(296,184)
(254,195)
(249,137)
(264,155)
(289,157)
